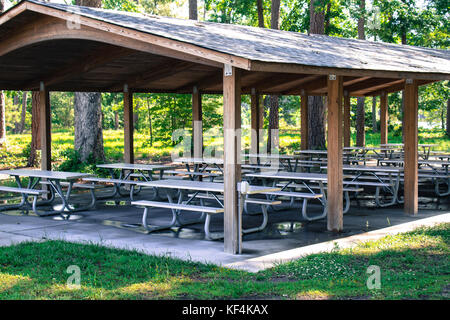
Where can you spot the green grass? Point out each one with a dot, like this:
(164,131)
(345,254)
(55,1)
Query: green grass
(14,154)
(414,265)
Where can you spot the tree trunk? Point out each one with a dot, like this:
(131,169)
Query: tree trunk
(374,115)
(316,122)
(273,138)
(35,129)
(2,99)
(260,9)
(2,119)
(88,125)
(316,107)
(23,113)
(88,115)
(360,111)
(193,15)
(275,15)
(448,117)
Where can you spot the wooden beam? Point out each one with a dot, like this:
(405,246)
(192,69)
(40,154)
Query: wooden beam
(211,80)
(197,123)
(304,121)
(399,86)
(334,170)
(85,64)
(309,87)
(384,116)
(272,81)
(262,66)
(46,128)
(128,125)
(164,45)
(154,74)
(51,28)
(347,125)
(410,121)
(255,119)
(232,151)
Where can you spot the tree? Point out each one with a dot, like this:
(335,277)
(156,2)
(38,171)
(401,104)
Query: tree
(88,115)
(2,100)
(260,10)
(193,15)
(360,105)
(316,108)
(273,140)
(35,129)
(448,117)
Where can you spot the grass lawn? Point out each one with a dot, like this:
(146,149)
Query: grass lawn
(413,265)
(15,153)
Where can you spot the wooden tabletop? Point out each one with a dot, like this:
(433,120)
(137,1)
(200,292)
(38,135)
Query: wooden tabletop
(53,175)
(199,160)
(134,166)
(202,186)
(290,175)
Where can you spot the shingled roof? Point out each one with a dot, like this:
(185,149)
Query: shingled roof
(266,45)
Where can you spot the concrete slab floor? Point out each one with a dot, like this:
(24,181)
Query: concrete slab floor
(287,236)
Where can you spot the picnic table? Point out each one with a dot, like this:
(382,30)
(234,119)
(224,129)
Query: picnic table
(55,180)
(200,164)
(305,179)
(196,187)
(274,160)
(139,171)
(386,178)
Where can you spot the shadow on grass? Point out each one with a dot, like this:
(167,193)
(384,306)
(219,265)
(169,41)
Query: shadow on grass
(413,265)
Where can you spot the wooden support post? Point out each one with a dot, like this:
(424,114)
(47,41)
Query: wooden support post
(197,123)
(384,116)
(304,121)
(46,128)
(335,175)
(232,151)
(347,119)
(128,125)
(410,122)
(255,124)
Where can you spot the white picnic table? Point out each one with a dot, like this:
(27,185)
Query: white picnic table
(274,160)
(126,170)
(54,179)
(379,173)
(200,164)
(195,187)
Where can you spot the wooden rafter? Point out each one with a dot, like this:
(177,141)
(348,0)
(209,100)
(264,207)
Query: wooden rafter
(85,64)
(154,74)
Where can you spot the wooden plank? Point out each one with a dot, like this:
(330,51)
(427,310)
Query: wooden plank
(46,138)
(384,116)
(304,121)
(410,121)
(255,123)
(232,151)
(347,124)
(128,126)
(164,45)
(334,169)
(197,123)
(262,66)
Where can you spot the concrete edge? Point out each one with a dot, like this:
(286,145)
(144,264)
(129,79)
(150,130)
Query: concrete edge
(271,260)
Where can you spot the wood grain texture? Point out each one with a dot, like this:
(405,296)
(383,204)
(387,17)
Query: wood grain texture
(384,117)
(410,122)
(335,170)
(128,127)
(232,167)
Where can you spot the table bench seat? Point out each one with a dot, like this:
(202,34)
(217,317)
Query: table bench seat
(33,192)
(176,207)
